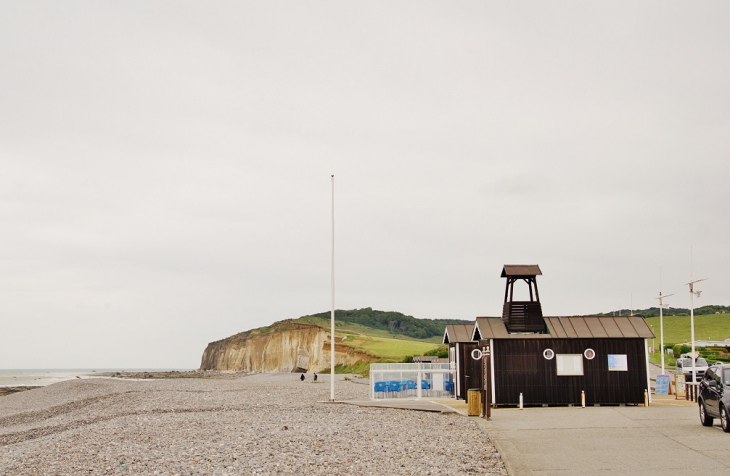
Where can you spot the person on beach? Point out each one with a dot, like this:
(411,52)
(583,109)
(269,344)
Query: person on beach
(302,378)
(315,377)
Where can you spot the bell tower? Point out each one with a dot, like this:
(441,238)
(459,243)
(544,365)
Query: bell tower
(522,316)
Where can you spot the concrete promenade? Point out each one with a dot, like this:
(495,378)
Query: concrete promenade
(663,439)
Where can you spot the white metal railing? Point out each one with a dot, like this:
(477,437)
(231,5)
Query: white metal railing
(415,380)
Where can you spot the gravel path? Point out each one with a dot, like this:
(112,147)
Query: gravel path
(260,424)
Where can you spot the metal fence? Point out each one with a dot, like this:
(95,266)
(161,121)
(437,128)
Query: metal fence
(415,381)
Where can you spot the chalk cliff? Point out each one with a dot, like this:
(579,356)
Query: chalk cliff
(285,346)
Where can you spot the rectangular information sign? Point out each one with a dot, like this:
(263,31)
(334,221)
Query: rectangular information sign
(662,385)
(617,362)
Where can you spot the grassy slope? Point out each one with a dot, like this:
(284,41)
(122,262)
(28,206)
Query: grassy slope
(376,342)
(677,330)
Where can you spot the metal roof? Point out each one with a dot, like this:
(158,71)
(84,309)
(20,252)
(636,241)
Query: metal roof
(521,270)
(573,327)
(458,333)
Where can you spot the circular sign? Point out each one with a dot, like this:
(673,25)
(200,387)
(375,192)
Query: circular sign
(548,354)
(589,354)
(476,354)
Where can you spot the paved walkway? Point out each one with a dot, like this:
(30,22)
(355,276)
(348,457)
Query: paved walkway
(663,439)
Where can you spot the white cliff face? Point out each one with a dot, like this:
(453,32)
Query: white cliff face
(284,347)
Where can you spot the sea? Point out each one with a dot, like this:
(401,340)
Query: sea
(43,377)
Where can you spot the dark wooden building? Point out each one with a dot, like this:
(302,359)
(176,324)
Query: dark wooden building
(460,342)
(551,360)
(606,357)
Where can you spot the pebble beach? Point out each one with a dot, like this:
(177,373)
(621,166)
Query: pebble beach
(257,424)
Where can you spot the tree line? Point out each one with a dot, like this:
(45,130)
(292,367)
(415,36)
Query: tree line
(394,322)
(670,311)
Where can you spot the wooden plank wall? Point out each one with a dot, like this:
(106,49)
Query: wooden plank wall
(519,367)
(469,367)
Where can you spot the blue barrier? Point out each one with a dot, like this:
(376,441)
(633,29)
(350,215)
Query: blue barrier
(409,388)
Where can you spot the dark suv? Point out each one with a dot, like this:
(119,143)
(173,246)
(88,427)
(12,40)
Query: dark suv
(713,400)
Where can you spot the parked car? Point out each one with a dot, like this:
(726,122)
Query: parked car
(684,366)
(713,400)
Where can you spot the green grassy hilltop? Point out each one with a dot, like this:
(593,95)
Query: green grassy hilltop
(677,330)
(387,336)
(707,327)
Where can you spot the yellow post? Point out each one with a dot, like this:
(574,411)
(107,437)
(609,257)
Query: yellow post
(646,398)
(582,398)
(475,402)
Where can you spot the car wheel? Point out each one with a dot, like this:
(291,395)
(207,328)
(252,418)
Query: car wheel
(724,419)
(705,419)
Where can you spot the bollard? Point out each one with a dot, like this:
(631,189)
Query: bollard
(646,398)
(520,401)
(582,398)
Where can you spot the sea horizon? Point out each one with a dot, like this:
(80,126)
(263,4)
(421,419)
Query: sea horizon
(49,376)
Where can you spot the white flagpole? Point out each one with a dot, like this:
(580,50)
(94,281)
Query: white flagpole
(332,302)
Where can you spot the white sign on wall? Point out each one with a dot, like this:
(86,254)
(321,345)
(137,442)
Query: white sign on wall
(569,364)
(617,362)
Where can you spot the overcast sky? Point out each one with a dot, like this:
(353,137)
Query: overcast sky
(165,166)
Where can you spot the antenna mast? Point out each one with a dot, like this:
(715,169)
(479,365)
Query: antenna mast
(661,318)
(692,294)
